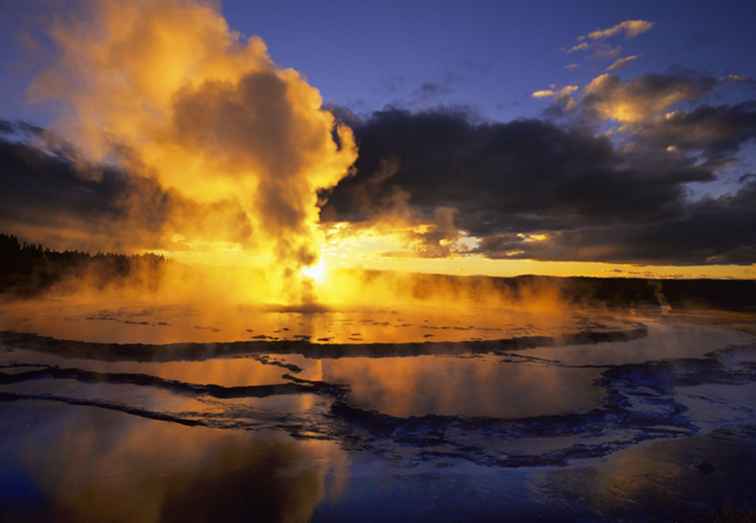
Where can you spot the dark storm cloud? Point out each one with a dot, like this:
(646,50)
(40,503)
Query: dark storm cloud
(514,184)
(713,230)
(716,131)
(522,175)
(48,191)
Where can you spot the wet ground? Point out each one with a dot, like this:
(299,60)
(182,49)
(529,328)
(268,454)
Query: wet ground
(163,414)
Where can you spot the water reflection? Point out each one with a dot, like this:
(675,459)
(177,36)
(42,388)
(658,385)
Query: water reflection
(464,386)
(665,340)
(704,478)
(281,431)
(229,372)
(75,464)
(80,465)
(159,324)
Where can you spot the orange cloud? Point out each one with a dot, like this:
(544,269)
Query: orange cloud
(622,62)
(628,28)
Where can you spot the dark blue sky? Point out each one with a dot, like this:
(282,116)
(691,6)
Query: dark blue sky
(486,55)
(490,55)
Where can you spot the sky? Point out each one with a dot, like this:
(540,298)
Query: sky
(606,138)
(485,54)
(490,55)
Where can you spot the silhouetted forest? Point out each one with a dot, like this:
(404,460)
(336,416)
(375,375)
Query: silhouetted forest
(28,269)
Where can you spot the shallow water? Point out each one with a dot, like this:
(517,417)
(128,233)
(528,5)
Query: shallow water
(480,386)
(549,418)
(149,323)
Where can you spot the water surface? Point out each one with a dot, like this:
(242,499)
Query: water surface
(161,414)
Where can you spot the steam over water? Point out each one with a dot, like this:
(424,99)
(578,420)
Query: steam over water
(147,323)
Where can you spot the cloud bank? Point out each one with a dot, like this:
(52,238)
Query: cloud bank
(541,190)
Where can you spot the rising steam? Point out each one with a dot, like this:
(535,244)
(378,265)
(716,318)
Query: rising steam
(167,90)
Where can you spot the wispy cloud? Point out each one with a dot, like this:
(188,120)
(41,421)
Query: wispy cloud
(622,62)
(554,92)
(562,96)
(593,41)
(630,28)
(583,46)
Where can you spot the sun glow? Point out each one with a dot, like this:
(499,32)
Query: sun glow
(317,272)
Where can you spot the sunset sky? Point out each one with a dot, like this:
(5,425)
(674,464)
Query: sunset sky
(499,138)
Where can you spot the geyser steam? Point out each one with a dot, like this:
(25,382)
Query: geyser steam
(168,90)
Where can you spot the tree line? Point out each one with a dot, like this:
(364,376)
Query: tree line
(28,269)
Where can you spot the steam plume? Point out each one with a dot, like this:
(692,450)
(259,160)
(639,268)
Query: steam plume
(168,89)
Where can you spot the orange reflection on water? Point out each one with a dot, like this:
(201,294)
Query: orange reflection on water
(109,467)
(140,322)
(466,386)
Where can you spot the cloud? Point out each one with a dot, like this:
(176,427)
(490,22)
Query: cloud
(554,92)
(622,62)
(183,128)
(738,78)
(438,239)
(582,46)
(594,41)
(50,194)
(531,189)
(711,231)
(607,97)
(628,28)
(521,189)
(534,189)
(717,132)
(562,96)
